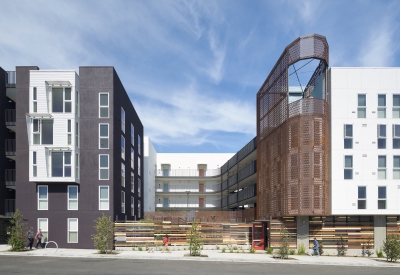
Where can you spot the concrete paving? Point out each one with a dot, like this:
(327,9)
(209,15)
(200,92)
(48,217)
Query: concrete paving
(212,255)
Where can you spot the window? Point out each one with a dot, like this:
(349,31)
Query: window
(381,106)
(396,106)
(123,120)
(132,182)
(77,165)
(42,131)
(43,224)
(34,164)
(34,100)
(122,147)
(139,143)
(396,167)
(165,172)
(69,132)
(103,167)
(165,187)
(132,206)
(362,106)
(103,136)
(43,197)
(122,202)
(381,197)
(396,136)
(77,134)
(61,164)
(77,103)
(348,136)
(123,174)
(348,167)
(72,197)
(132,159)
(139,209)
(362,197)
(61,100)
(132,135)
(381,167)
(138,166)
(103,105)
(139,187)
(381,136)
(103,198)
(72,230)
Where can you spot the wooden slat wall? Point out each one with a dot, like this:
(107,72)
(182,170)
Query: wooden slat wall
(141,233)
(275,232)
(393,225)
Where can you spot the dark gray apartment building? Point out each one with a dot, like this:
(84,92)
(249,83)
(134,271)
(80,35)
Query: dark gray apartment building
(73,151)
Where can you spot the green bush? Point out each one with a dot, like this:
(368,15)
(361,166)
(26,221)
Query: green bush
(231,250)
(235,248)
(379,253)
(17,237)
(269,250)
(252,250)
(223,249)
(292,251)
(140,248)
(391,247)
(301,250)
(341,247)
(367,248)
(194,241)
(103,240)
(284,246)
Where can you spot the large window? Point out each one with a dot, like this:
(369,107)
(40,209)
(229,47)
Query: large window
(61,100)
(132,135)
(34,164)
(381,136)
(103,167)
(381,106)
(103,136)
(348,136)
(61,164)
(139,205)
(77,103)
(104,199)
(362,106)
(34,100)
(138,166)
(132,182)
(123,174)
(103,105)
(396,106)
(362,197)
(139,145)
(381,167)
(77,134)
(132,158)
(72,230)
(122,202)
(77,165)
(72,197)
(139,187)
(123,120)
(122,147)
(43,224)
(69,132)
(42,131)
(132,206)
(348,167)
(43,197)
(396,136)
(381,197)
(396,167)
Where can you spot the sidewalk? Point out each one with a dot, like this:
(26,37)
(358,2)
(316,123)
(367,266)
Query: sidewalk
(213,255)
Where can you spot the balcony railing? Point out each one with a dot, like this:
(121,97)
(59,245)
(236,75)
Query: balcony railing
(188,173)
(10,177)
(232,180)
(10,147)
(247,149)
(247,171)
(11,78)
(10,117)
(224,184)
(180,188)
(247,193)
(224,201)
(10,208)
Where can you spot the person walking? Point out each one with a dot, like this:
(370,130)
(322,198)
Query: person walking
(316,248)
(30,235)
(165,244)
(38,238)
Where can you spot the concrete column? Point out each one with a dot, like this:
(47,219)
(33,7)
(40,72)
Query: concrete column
(303,231)
(379,231)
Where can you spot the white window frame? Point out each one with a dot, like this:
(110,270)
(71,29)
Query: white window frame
(123,175)
(43,200)
(382,199)
(34,100)
(104,137)
(34,164)
(122,147)
(381,136)
(73,230)
(123,202)
(45,231)
(64,100)
(381,108)
(132,135)
(105,106)
(64,164)
(346,136)
(69,131)
(104,168)
(123,120)
(361,199)
(107,200)
(359,107)
(348,168)
(39,132)
(395,136)
(396,167)
(396,108)
(72,200)
(381,168)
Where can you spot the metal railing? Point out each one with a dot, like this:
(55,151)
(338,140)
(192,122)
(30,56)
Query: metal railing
(247,149)
(10,117)
(247,193)
(181,188)
(232,180)
(188,173)
(248,171)
(10,177)
(10,147)
(10,208)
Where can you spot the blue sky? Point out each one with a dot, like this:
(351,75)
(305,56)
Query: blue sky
(193,68)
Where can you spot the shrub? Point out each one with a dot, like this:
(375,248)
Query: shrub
(235,248)
(379,253)
(140,248)
(223,250)
(367,248)
(391,247)
(103,240)
(301,250)
(252,250)
(231,250)
(269,250)
(284,246)
(17,237)
(292,251)
(217,247)
(341,247)
(194,240)
(320,248)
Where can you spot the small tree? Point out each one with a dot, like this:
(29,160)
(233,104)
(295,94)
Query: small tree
(284,247)
(341,247)
(368,247)
(391,247)
(194,240)
(103,240)
(17,238)
(320,248)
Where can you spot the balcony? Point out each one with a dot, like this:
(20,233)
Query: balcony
(247,193)
(10,208)
(248,171)
(10,178)
(188,173)
(10,85)
(10,119)
(10,148)
(180,189)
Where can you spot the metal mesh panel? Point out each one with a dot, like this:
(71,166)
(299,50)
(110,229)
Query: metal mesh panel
(293,139)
